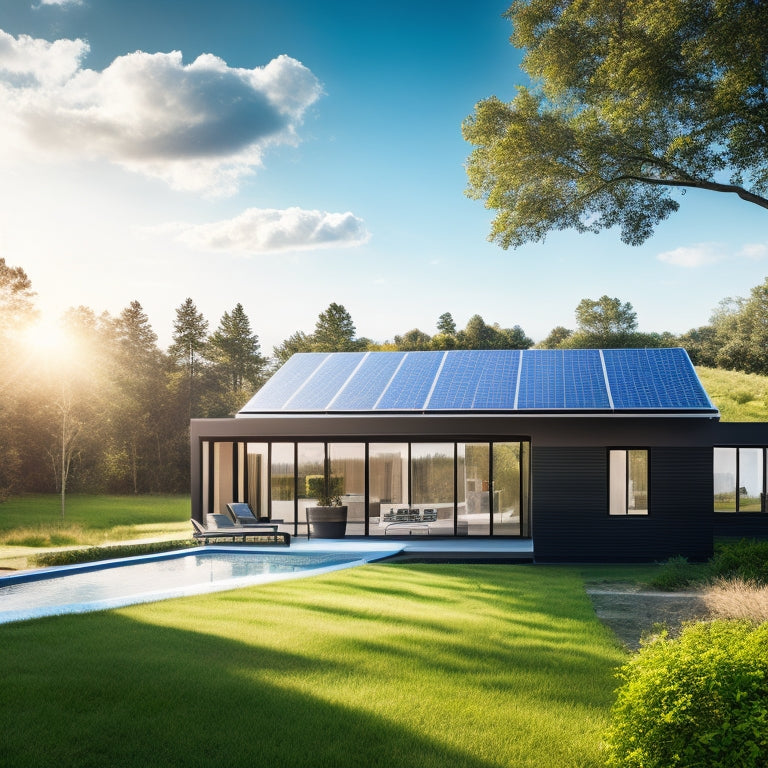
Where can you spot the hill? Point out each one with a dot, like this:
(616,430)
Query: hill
(739,396)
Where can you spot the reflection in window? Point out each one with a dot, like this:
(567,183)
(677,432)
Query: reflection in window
(725,479)
(255,479)
(282,482)
(347,465)
(628,473)
(388,482)
(507,489)
(432,486)
(474,484)
(750,479)
(739,479)
(310,475)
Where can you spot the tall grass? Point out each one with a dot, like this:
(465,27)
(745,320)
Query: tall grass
(468,666)
(738,396)
(34,520)
(737,599)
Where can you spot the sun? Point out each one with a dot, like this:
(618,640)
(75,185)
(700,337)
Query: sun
(47,337)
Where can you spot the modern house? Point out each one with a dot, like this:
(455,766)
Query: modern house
(594,455)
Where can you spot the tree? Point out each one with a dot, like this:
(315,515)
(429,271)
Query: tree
(16,298)
(234,350)
(605,317)
(629,101)
(190,336)
(295,343)
(479,335)
(446,324)
(413,341)
(556,337)
(335,331)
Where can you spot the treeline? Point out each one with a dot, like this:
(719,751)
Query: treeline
(104,409)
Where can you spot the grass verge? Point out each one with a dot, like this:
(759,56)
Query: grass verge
(34,520)
(472,666)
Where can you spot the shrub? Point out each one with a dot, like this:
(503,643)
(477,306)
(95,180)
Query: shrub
(91,554)
(746,559)
(675,573)
(698,700)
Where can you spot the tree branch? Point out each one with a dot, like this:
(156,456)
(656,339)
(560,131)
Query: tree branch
(712,186)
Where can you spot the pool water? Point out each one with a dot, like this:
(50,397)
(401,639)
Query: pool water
(114,583)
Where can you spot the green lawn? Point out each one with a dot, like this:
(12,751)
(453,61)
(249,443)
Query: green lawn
(391,665)
(34,520)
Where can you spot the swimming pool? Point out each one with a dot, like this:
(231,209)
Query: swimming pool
(115,583)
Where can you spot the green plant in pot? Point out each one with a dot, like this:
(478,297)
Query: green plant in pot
(328,519)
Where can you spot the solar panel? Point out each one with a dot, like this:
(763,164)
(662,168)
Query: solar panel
(653,378)
(476,380)
(368,383)
(284,384)
(558,379)
(411,384)
(611,380)
(326,383)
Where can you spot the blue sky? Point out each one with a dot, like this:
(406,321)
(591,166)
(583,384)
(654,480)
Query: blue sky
(295,153)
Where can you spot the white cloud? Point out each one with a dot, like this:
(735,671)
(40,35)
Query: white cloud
(693,255)
(199,126)
(267,230)
(61,2)
(754,251)
(701,254)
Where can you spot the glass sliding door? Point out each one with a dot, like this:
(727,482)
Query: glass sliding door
(282,482)
(432,489)
(347,467)
(256,479)
(473,491)
(223,477)
(508,502)
(309,472)
(388,484)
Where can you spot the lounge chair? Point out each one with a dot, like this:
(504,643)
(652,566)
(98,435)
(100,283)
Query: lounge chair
(221,527)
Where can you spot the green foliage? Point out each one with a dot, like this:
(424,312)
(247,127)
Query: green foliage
(746,559)
(628,102)
(675,573)
(738,396)
(327,495)
(699,700)
(93,554)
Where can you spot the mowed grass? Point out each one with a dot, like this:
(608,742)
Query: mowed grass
(738,396)
(34,520)
(382,665)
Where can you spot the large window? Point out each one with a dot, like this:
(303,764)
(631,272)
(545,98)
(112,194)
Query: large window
(392,488)
(628,494)
(739,479)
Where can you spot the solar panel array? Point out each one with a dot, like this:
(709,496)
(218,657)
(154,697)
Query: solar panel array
(532,380)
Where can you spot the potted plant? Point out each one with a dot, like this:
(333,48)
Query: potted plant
(328,518)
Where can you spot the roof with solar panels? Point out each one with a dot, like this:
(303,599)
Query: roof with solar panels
(531,381)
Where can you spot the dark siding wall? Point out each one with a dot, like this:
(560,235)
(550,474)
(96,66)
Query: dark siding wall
(570,507)
(741,525)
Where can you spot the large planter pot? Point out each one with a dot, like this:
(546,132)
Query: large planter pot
(327,522)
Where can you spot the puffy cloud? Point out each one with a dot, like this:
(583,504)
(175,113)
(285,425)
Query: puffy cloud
(267,230)
(198,126)
(61,2)
(701,254)
(693,255)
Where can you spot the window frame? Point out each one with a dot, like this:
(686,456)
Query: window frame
(626,511)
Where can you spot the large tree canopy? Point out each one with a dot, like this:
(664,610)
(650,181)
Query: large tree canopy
(630,99)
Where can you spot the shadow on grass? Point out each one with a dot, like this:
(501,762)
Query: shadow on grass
(396,666)
(108,690)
